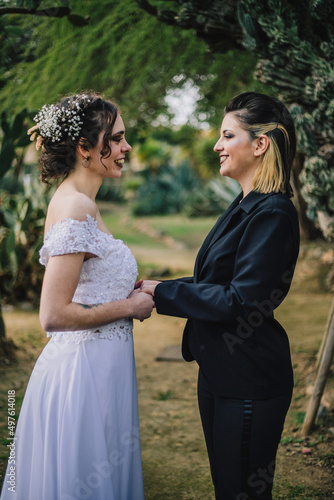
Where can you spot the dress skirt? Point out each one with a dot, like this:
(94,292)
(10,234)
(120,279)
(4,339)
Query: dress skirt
(78,432)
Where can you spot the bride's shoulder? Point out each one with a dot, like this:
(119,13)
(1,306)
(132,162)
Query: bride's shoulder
(69,206)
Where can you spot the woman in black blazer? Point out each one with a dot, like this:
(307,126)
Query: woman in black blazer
(243,271)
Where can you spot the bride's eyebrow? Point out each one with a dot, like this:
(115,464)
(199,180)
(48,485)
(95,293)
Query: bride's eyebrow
(121,132)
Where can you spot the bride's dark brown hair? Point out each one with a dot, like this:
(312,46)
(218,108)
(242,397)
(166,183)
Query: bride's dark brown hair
(97,115)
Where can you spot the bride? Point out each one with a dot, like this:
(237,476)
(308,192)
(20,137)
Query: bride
(78,433)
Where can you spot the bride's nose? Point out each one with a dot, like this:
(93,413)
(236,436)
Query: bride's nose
(127,147)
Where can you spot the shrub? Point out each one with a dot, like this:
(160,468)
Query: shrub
(111,192)
(213,198)
(179,189)
(166,191)
(22,218)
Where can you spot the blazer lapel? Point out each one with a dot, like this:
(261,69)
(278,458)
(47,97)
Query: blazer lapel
(247,205)
(212,236)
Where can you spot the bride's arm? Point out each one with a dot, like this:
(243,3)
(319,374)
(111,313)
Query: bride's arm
(58,312)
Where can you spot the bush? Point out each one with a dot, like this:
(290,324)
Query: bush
(166,191)
(179,189)
(213,198)
(22,218)
(111,192)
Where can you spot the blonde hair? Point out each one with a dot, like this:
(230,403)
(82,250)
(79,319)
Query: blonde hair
(270,175)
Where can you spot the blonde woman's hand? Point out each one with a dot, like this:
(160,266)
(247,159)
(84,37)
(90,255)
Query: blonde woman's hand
(148,286)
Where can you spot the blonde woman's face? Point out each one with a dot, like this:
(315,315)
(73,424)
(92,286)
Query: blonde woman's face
(236,151)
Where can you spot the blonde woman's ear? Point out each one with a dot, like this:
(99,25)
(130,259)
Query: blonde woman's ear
(262,144)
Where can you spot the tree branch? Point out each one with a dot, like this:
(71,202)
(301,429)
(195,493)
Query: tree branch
(51,12)
(56,12)
(145,5)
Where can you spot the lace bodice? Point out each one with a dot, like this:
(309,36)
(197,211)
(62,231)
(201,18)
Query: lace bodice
(109,276)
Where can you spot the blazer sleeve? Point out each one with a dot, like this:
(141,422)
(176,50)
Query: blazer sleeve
(188,279)
(263,269)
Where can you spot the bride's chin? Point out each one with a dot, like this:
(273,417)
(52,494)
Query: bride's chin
(113,173)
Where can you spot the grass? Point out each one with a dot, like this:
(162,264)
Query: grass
(328,459)
(164,396)
(181,228)
(299,417)
(190,231)
(121,228)
(299,492)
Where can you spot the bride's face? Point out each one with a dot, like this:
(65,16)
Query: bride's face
(112,165)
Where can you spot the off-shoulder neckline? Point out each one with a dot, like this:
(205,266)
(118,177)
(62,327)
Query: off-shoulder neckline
(89,220)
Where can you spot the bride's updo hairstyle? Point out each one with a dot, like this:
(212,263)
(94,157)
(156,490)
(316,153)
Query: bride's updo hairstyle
(75,120)
(260,114)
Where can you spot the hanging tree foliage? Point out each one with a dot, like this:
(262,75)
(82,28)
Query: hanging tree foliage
(39,8)
(125,54)
(294,43)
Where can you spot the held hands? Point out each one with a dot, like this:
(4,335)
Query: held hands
(148,286)
(142,298)
(142,304)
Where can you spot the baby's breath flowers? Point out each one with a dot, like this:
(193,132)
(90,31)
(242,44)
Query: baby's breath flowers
(57,122)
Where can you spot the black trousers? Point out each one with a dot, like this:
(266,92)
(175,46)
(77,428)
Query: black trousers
(242,437)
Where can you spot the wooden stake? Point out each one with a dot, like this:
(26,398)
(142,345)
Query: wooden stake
(322,374)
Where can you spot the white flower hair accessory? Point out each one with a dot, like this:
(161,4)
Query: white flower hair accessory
(55,121)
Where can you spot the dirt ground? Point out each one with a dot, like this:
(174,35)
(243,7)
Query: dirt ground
(175,463)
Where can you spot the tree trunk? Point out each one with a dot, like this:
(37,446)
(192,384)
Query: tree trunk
(322,375)
(308,231)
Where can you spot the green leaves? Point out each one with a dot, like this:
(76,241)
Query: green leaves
(14,136)
(33,4)
(21,234)
(30,4)
(7,155)
(4,123)
(11,250)
(14,30)
(18,124)
(78,20)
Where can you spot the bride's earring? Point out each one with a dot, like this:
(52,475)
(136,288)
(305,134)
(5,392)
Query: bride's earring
(86,162)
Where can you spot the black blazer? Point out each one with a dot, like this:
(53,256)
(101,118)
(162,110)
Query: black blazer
(243,271)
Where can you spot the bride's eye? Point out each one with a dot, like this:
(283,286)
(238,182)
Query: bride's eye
(116,139)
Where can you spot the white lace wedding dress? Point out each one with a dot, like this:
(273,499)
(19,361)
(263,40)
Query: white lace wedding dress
(78,433)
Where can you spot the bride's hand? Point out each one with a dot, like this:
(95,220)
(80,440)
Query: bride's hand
(138,283)
(142,304)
